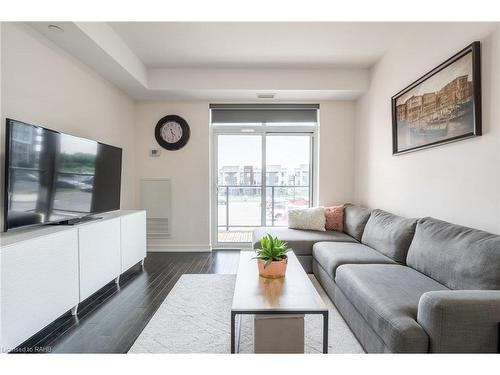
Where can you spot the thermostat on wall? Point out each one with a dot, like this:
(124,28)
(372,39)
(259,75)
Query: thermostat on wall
(154,152)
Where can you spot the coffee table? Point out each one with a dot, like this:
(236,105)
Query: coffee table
(294,294)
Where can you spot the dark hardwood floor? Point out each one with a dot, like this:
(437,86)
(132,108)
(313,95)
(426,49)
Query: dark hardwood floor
(110,320)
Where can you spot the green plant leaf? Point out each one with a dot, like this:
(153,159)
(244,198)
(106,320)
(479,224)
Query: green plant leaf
(272,248)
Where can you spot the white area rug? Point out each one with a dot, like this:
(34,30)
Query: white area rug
(195,318)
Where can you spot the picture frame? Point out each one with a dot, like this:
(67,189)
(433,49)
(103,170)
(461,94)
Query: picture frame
(442,106)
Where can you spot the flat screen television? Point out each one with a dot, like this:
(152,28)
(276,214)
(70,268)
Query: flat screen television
(52,177)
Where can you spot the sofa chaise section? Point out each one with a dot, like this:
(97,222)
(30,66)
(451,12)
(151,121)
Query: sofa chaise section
(301,241)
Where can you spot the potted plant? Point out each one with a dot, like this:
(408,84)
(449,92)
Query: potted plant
(271,257)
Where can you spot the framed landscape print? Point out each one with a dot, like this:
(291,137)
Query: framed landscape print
(443,106)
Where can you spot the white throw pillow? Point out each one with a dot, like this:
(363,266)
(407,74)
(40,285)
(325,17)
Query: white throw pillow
(307,218)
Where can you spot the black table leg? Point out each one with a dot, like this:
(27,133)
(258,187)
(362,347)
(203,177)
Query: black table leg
(233,333)
(325,332)
(498,338)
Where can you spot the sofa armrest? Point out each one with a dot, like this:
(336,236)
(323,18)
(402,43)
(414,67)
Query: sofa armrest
(461,321)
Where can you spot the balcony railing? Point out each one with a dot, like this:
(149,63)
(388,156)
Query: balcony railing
(272,193)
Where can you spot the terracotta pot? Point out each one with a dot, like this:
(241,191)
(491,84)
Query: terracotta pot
(276,270)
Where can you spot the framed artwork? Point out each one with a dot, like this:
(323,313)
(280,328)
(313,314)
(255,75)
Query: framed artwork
(442,106)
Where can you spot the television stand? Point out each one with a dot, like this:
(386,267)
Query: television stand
(67,262)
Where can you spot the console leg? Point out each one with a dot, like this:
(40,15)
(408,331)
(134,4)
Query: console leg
(74,310)
(142,262)
(117,280)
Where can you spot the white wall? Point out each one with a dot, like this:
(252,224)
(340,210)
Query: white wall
(188,168)
(336,152)
(458,182)
(44,85)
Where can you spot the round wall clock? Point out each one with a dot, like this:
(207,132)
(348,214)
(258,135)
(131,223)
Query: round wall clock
(172,132)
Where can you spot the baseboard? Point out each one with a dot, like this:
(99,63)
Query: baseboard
(172,248)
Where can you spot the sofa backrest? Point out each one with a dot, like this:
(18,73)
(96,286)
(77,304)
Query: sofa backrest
(355,218)
(456,256)
(389,234)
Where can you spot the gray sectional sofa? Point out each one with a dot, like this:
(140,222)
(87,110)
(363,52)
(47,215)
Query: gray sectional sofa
(406,285)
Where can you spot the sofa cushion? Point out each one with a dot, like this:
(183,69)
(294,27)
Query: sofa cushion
(331,255)
(456,256)
(387,297)
(301,241)
(307,219)
(355,218)
(389,234)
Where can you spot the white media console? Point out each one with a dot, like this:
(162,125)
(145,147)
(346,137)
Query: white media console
(47,271)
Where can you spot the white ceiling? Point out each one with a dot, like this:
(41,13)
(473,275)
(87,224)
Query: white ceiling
(236,61)
(259,44)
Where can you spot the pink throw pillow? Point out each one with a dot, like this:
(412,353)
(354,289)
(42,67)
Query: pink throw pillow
(334,218)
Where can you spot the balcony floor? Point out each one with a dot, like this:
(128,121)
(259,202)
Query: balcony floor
(234,236)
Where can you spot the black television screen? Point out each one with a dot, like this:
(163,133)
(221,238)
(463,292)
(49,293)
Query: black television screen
(54,177)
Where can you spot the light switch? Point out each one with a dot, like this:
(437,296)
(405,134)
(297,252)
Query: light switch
(154,152)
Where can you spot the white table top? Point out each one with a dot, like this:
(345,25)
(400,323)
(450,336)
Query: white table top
(295,292)
(24,234)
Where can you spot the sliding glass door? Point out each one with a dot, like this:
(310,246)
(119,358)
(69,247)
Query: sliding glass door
(260,176)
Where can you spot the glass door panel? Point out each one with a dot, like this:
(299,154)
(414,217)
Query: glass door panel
(239,186)
(244,206)
(288,175)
